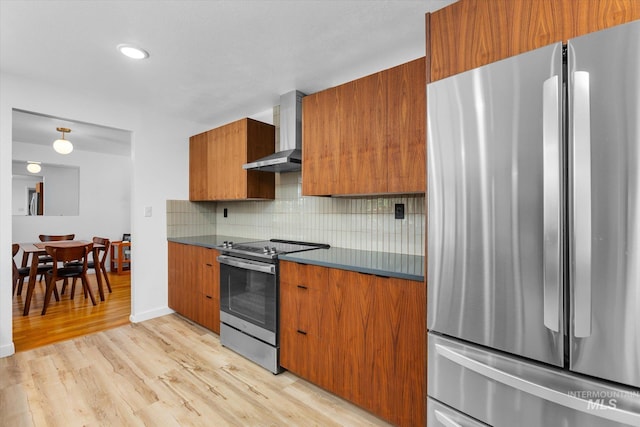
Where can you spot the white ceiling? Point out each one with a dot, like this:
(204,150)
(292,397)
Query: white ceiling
(210,61)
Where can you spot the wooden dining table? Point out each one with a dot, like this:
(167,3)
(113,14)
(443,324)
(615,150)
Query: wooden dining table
(34,250)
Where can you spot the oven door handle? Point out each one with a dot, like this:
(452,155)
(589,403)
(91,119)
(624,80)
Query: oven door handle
(247,264)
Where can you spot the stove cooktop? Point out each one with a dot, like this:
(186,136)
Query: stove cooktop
(269,248)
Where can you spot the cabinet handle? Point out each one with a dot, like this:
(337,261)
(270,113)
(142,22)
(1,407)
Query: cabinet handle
(302,332)
(209,265)
(209,296)
(302,287)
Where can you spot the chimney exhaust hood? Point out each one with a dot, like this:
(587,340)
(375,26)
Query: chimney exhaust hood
(289,158)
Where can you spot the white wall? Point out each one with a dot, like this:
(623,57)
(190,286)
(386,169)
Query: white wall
(159,172)
(104,196)
(20,193)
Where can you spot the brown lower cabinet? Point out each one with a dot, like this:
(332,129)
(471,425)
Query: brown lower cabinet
(194,284)
(357,335)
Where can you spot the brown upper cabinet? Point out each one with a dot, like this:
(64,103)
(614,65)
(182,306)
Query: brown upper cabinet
(216,158)
(471,33)
(367,136)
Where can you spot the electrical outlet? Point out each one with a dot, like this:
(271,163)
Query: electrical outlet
(399,210)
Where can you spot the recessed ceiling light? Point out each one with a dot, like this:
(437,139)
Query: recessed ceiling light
(33,167)
(132,51)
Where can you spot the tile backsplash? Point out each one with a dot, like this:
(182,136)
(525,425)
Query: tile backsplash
(365,223)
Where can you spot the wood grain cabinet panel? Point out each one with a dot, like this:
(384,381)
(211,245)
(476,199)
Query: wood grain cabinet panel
(363,148)
(406,128)
(367,136)
(471,33)
(302,305)
(216,158)
(198,170)
(364,337)
(194,284)
(321,142)
(587,16)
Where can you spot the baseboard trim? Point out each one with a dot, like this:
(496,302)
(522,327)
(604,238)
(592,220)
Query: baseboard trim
(7,350)
(151,314)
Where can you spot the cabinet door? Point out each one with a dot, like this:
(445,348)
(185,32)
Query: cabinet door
(210,296)
(320,143)
(362,122)
(471,33)
(231,152)
(302,290)
(406,132)
(198,171)
(181,281)
(396,351)
(586,16)
(350,303)
(376,336)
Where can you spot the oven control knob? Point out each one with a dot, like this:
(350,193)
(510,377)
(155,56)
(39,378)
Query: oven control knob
(230,244)
(224,244)
(265,250)
(274,250)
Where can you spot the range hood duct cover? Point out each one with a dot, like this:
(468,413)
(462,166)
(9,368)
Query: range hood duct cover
(289,158)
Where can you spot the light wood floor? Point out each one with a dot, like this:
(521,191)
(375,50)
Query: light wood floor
(69,318)
(162,372)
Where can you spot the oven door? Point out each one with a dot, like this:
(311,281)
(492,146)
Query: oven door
(249,297)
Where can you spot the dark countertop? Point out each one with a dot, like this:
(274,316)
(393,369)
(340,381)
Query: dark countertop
(209,241)
(389,264)
(401,266)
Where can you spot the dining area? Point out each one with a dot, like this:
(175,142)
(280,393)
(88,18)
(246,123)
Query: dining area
(45,276)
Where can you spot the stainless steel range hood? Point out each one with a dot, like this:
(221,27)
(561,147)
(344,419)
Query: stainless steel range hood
(289,158)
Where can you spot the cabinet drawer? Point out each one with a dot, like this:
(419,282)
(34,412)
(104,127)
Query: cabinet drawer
(209,313)
(302,354)
(301,309)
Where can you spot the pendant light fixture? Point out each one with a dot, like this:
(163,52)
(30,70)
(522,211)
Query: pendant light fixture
(62,145)
(33,167)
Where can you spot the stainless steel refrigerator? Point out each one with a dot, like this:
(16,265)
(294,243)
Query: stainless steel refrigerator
(534,238)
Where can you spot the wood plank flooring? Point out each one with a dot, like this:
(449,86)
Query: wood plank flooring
(165,371)
(69,318)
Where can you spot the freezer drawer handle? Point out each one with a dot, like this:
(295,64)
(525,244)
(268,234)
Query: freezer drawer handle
(545,393)
(582,204)
(444,420)
(551,202)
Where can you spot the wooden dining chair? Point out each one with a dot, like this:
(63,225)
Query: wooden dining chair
(62,256)
(46,259)
(100,251)
(21,273)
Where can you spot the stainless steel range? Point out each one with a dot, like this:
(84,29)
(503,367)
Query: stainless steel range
(249,297)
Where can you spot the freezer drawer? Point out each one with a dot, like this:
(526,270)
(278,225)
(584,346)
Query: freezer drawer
(505,391)
(439,415)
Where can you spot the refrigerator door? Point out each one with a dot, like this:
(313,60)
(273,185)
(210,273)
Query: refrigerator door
(495,211)
(604,144)
(507,391)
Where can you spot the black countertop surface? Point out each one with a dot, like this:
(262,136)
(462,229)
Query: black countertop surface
(386,264)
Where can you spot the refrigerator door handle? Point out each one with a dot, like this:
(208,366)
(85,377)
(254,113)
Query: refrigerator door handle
(551,202)
(530,386)
(582,204)
(444,420)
